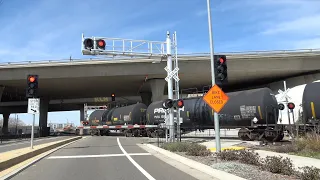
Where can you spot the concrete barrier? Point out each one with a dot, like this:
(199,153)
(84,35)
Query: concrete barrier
(11,158)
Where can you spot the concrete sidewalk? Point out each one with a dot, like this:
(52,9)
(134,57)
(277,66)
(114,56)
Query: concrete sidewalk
(297,161)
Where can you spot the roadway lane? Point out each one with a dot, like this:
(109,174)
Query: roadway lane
(102,157)
(24,144)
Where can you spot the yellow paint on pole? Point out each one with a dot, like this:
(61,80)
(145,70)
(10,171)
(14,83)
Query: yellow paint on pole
(229,148)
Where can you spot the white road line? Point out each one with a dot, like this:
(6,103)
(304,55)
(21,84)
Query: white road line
(26,141)
(97,156)
(144,172)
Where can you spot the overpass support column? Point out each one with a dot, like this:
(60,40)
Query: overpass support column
(5,122)
(82,113)
(157,89)
(43,117)
(146,98)
(1,91)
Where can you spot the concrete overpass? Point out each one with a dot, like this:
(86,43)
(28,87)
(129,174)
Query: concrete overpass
(87,78)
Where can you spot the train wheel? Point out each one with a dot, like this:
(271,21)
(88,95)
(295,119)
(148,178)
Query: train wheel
(273,135)
(136,133)
(244,134)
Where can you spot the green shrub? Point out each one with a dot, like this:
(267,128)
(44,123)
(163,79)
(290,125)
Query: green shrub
(244,156)
(198,150)
(177,146)
(278,165)
(249,157)
(228,155)
(309,173)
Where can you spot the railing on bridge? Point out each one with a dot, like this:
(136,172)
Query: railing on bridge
(272,53)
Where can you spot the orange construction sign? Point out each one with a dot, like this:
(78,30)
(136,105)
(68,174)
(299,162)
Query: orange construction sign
(216,98)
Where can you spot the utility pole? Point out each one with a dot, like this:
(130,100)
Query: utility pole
(216,117)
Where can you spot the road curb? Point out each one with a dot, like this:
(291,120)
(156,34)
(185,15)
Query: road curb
(41,156)
(196,165)
(23,157)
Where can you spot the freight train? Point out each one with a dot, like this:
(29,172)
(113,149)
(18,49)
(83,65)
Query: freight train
(255,112)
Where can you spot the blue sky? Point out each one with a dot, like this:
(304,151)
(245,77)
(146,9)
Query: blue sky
(51,29)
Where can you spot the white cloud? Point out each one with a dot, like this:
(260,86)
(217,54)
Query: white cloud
(303,25)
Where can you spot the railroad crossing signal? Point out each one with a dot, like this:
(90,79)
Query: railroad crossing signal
(221,69)
(284,94)
(89,44)
(281,106)
(32,86)
(176,104)
(216,98)
(291,105)
(172,74)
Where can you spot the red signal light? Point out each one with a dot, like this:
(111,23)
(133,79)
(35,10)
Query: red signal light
(179,103)
(112,95)
(32,79)
(101,44)
(291,105)
(221,60)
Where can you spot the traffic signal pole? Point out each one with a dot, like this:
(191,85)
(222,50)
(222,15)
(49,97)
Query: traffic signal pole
(216,116)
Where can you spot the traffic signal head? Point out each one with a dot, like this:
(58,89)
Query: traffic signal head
(221,69)
(168,103)
(97,44)
(88,43)
(291,105)
(178,104)
(113,97)
(32,86)
(85,122)
(281,106)
(101,44)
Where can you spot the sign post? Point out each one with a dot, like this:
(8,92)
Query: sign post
(216,99)
(33,108)
(216,117)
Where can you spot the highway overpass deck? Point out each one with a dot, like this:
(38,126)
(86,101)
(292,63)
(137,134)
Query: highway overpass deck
(101,77)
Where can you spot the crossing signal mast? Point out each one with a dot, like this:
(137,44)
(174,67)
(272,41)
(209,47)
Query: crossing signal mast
(113,47)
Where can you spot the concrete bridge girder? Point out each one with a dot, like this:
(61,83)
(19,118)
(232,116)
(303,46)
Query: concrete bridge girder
(294,81)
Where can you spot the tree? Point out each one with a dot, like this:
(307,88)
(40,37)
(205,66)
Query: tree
(13,123)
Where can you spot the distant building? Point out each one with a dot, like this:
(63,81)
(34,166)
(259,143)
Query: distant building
(59,125)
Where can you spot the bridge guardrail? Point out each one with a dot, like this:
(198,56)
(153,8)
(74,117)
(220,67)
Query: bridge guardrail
(271,53)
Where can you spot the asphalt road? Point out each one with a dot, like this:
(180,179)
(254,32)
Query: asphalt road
(102,157)
(24,144)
